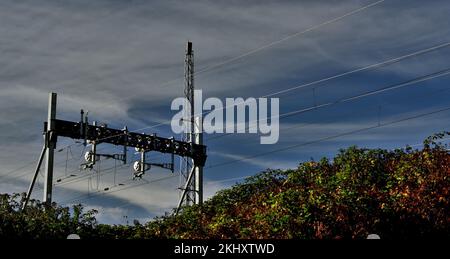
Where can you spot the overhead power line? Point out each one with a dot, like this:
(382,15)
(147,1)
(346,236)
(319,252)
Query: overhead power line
(328,138)
(119,190)
(86,176)
(291,36)
(326,79)
(24,173)
(369,93)
(18,169)
(416,80)
(372,66)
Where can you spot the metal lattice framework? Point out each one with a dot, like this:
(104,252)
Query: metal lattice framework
(95,134)
(102,134)
(187,187)
(190,148)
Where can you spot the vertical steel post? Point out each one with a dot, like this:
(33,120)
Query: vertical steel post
(50,148)
(198,170)
(142,162)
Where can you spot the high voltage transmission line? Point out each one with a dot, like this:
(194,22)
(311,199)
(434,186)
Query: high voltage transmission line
(329,137)
(119,190)
(328,78)
(413,81)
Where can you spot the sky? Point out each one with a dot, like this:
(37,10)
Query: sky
(124,62)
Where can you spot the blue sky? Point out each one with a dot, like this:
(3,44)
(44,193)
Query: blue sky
(123,61)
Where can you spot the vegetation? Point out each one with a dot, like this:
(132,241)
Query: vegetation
(402,193)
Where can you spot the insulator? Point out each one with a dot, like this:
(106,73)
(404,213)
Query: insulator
(88,156)
(137,166)
(98,132)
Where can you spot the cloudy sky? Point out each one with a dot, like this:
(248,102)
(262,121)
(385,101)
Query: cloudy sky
(123,61)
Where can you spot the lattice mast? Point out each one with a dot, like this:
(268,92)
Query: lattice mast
(187,163)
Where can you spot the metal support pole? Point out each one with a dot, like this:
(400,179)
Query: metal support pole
(142,167)
(33,181)
(198,170)
(50,148)
(82,128)
(187,163)
(85,126)
(173,163)
(93,153)
(196,175)
(185,190)
(125,131)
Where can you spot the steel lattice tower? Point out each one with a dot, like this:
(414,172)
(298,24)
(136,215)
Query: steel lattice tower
(187,163)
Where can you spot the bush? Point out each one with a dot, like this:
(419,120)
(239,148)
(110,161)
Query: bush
(402,193)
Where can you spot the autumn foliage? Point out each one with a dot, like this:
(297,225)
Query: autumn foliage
(396,194)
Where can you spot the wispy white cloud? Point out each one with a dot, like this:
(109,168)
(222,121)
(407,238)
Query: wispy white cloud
(263,163)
